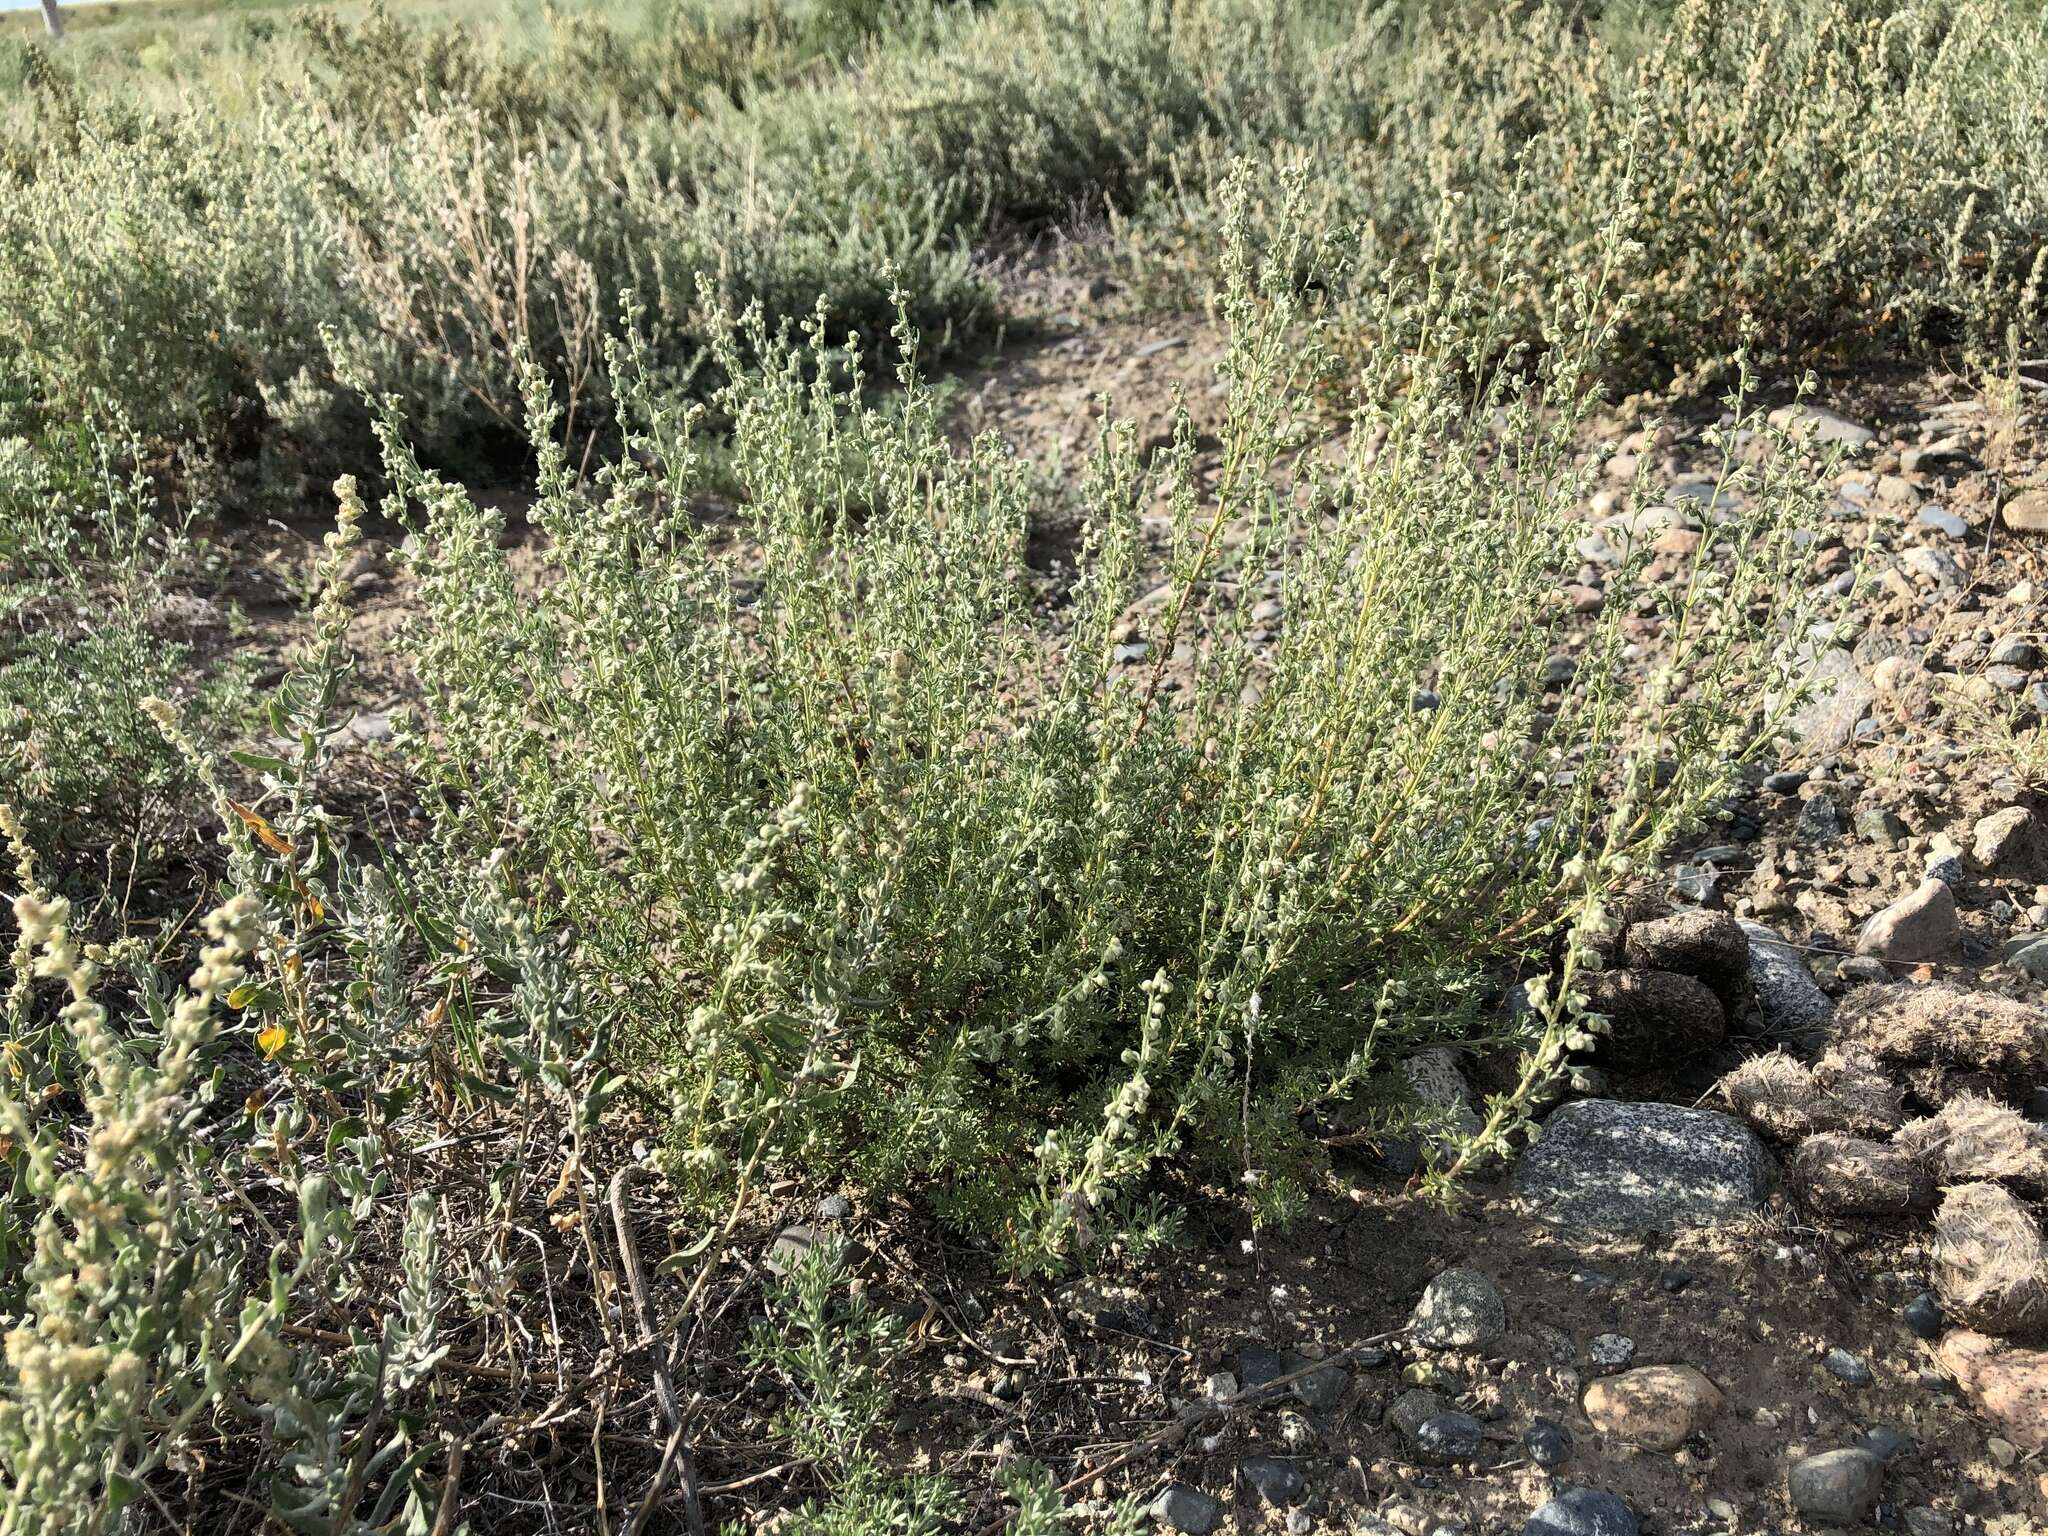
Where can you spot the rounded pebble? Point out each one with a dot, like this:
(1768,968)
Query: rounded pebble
(1582,1512)
(1922,1316)
(1548,1444)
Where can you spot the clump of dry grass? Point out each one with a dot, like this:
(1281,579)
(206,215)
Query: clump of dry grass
(1785,1098)
(1945,1024)
(1991,1262)
(1975,1138)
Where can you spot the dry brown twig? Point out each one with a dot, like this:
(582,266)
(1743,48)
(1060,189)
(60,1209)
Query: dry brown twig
(676,1457)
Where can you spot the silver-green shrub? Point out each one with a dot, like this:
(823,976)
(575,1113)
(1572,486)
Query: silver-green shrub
(92,562)
(1813,180)
(193,1172)
(442,202)
(889,860)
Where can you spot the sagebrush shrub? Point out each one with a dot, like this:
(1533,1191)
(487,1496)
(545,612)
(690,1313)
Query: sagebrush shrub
(90,560)
(888,866)
(440,200)
(1811,181)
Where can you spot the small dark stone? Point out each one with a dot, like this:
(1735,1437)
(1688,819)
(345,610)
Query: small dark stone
(1922,1316)
(1548,1444)
(1274,1480)
(1412,1409)
(2007,679)
(1787,783)
(1847,1367)
(1132,1319)
(1448,1437)
(2023,654)
(1675,1279)
(1582,1512)
(1819,821)
(1186,1509)
(1322,1388)
(1878,825)
(1885,1443)
(1398,1155)
(1257,1365)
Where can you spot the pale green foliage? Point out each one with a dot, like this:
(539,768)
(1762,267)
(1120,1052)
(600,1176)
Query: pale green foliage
(172,275)
(89,557)
(889,867)
(448,202)
(148,1298)
(1812,179)
(833,1355)
(133,1309)
(786,795)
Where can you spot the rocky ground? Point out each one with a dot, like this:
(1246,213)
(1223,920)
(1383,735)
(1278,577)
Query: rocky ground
(1779,1261)
(1784,1265)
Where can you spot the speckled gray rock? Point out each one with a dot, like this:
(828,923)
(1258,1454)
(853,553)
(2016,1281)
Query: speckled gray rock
(1273,1479)
(1411,1410)
(1612,1351)
(1824,425)
(1788,1000)
(1582,1512)
(1442,1099)
(1602,1166)
(1826,721)
(1447,1437)
(1820,821)
(1188,1510)
(1836,1487)
(1459,1309)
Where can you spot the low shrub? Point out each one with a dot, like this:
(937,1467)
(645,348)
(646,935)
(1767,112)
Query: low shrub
(234,1269)
(889,867)
(443,200)
(1813,182)
(93,621)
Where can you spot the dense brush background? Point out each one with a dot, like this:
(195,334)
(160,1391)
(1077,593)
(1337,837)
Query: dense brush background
(768,816)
